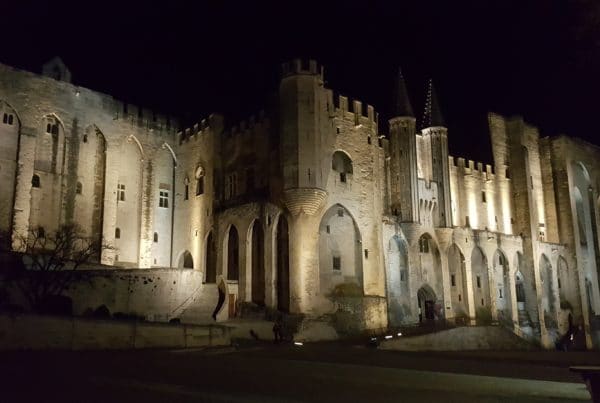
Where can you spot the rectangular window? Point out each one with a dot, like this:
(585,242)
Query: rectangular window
(121,192)
(467,222)
(500,292)
(453,280)
(337,263)
(343,177)
(366,253)
(340,212)
(483,199)
(402,275)
(328,229)
(478,282)
(163,200)
(187,192)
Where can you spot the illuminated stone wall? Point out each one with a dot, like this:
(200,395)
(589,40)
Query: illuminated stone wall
(514,241)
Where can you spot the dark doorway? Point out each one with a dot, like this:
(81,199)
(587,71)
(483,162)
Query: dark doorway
(283,265)
(258,264)
(233,255)
(426,302)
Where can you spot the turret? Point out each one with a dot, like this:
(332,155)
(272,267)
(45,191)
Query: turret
(304,122)
(403,156)
(434,127)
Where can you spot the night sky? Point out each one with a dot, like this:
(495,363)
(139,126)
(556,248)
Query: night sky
(539,59)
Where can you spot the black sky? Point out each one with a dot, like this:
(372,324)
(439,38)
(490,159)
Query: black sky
(537,58)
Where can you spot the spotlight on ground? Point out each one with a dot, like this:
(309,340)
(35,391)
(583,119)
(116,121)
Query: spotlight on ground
(297,343)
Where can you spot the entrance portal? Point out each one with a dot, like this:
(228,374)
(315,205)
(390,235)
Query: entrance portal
(426,301)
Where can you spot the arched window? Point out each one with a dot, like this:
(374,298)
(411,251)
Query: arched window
(156,237)
(342,164)
(35,181)
(424,243)
(79,188)
(117,233)
(199,175)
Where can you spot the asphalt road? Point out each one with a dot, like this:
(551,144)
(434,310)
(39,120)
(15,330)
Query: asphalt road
(329,372)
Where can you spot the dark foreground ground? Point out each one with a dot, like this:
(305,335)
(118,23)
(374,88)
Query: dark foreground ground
(323,372)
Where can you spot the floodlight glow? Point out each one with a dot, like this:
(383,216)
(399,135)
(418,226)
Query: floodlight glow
(297,343)
(388,337)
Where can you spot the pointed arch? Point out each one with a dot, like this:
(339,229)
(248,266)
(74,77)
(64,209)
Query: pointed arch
(481,284)
(186,260)
(340,250)
(168,147)
(233,253)
(398,286)
(503,294)
(283,264)
(458,281)
(257,248)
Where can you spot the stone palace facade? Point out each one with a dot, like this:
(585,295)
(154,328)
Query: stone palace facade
(308,201)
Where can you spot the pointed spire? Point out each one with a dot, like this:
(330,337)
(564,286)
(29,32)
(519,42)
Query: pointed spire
(402,106)
(433,115)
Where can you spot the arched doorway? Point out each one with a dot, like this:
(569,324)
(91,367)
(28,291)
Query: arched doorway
(458,281)
(233,254)
(397,281)
(258,264)
(502,283)
(340,251)
(186,261)
(426,303)
(481,284)
(283,265)
(211,260)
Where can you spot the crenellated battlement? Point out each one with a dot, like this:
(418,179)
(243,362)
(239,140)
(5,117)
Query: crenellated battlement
(210,124)
(470,167)
(145,118)
(353,110)
(260,119)
(299,66)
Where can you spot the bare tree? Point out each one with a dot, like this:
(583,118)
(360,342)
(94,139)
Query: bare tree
(45,265)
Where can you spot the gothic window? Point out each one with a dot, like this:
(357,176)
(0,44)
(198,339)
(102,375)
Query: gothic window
(156,237)
(199,175)
(337,263)
(163,200)
(117,233)
(120,192)
(52,128)
(79,188)
(35,181)
(7,119)
(453,280)
(342,164)
(231,186)
(186,194)
(424,244)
